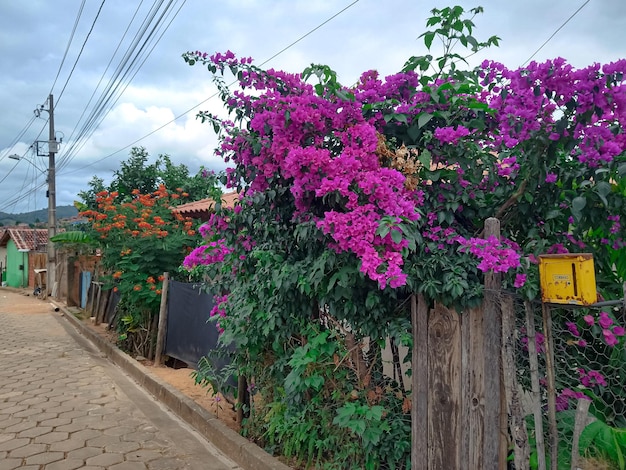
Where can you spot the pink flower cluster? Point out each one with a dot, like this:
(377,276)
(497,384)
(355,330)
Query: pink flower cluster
(610,331)
(325,149)
(450,135)
(219,310)
(213,252)
(591,378)
(535,97)
(567,394)
(497,255)
(323,146)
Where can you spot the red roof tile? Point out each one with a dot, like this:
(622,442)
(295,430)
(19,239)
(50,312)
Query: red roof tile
(26,239)
(202,209)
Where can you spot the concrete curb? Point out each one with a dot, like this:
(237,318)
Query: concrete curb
(234,446)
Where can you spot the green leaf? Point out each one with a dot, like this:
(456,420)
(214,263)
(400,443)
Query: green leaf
(425,158)
(413,132)
(396,236)
(315,382)
(75,236)
(401,118)
(423,119)
(578,203)
(428,39)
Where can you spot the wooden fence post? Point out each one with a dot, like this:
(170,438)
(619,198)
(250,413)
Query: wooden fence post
(534,383)
(444,389)
(472,388)
(493,344)
(549,345)
(517,425)
(419,383)
(162,321)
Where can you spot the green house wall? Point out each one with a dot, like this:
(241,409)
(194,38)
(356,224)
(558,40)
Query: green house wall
(16,277)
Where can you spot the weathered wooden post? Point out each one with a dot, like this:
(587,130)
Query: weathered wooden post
(549,344)
(534,383)
(517,425)
(492,449)
(162,321)
(419,383)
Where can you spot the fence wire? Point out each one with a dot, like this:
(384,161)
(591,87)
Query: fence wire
(589,386)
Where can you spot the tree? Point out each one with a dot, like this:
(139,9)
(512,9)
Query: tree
(140,239)
(88,196)
(135,173)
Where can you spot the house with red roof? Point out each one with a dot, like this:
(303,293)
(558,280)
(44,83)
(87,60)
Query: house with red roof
(24,251)
(203,208)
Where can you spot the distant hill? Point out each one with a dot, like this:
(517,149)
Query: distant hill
(37,217)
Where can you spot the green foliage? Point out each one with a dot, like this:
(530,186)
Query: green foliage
(300,312)
(600,440)
(318,413)
(451,28)
(137,174)
(139,240)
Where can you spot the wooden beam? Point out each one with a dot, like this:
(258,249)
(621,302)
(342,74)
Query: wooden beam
(444,384)
(162,321)
(493,344)
(419,383)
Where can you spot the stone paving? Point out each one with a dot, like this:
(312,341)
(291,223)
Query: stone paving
(63,407)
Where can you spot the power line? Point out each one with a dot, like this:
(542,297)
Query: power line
(176,118)
(119,44)
(19,136)
(311,32)
(120,81)
(80,53)
(555,32)
(69,42)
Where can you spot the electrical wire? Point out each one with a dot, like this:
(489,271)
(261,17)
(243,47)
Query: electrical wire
(116,92)
(555,33)
(20,197)
(93,24)
(213,95)
(17,139)
(86,107)
(310,32)
(67,48)
(131,60)
(69,43)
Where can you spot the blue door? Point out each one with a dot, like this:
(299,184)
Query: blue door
(85,282)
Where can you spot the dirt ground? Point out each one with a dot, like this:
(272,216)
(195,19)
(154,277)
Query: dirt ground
(182,380)
(22,301)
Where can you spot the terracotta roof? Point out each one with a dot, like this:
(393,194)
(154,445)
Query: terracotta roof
(27,239)
(202,209)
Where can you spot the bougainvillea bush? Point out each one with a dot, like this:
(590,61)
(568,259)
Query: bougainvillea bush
(352,198)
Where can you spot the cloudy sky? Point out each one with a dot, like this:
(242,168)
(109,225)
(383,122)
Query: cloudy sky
(115,69)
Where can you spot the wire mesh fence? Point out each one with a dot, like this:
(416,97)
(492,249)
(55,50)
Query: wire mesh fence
(571,376)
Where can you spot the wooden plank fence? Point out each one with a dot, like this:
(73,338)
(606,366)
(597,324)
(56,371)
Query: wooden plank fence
(459,405)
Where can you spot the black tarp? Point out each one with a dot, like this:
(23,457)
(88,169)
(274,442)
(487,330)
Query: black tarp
(189,335)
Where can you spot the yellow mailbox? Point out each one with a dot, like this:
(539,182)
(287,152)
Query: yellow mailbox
(568,278)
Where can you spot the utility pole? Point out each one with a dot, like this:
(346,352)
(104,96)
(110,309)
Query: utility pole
(52,209)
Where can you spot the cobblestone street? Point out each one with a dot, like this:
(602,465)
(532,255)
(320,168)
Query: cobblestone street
(64,407)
